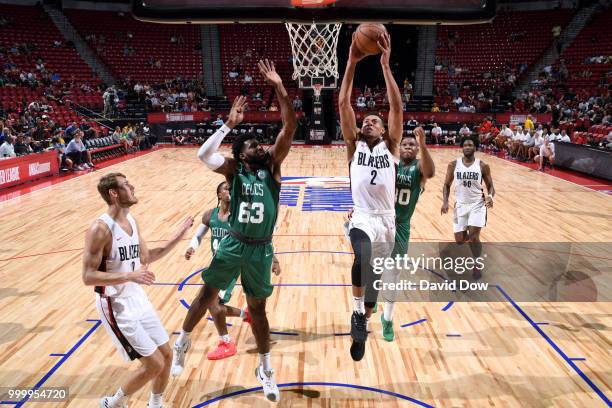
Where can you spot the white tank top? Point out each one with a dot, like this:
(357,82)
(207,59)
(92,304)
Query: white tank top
(468,182)
(124,257)
(372,175)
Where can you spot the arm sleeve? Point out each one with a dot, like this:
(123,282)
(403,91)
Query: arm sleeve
(208,151)
(197,238)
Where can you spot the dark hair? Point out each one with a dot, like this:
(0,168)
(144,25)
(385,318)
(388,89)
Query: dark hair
(239,142)
(409,136)
(219,190)
(108,182)
(466,138)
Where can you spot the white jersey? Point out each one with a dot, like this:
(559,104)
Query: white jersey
(372,174)
(468,182)
(124,257)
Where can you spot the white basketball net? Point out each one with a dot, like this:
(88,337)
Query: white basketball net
(314,49)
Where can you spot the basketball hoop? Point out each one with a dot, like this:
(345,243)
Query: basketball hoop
(314,49)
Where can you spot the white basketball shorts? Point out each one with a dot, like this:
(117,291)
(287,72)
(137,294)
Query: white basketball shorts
(469,215)
(133,325)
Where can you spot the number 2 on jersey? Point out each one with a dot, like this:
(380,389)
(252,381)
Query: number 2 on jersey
(374,174)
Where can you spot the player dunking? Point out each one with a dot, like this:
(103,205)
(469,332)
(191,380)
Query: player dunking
(217,221)
(115,262)
(471,205)
(373,155)
(255,177)
(412,174)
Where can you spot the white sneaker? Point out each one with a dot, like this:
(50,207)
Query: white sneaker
(178,357)
(268,382)
(104,403)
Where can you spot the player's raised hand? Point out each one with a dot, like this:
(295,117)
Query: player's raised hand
(190,251)
(236,114)
(355,55)
(187,223)
(420,135)
(444,209)
(143,276)
(268,71)
(384,43)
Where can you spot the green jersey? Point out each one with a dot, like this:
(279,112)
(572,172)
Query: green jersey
(407,191)
(254,203)
(218,229)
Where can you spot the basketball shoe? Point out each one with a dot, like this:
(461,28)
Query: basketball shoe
(266,378)
(178,357)
(105,403)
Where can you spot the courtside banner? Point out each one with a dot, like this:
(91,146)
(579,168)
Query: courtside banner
(26,168)
(489,272)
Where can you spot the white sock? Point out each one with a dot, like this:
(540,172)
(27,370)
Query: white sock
(183,338)
(358,304)
(264,360)
(118,399)
(156,400)
(225,338)
(388,311)
(242,314)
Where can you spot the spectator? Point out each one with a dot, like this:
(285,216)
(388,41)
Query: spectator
(547,153)
(233,74)
(465,131)
(7,149)
(22,147)
(116,135)
(297,104)
(538,140)
(527,144)
(273,107)
(65,162)
(371,103)
(361,102)
(247,78)
(458,101)
(78,154)
(528,125)
(71,129)
(564,137)
(218,121)
(88,131)
(436,133)
(435,108)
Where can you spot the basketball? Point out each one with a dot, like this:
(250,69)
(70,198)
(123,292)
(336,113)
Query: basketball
(367,37)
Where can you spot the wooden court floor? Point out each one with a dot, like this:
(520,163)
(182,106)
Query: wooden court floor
(468,355)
